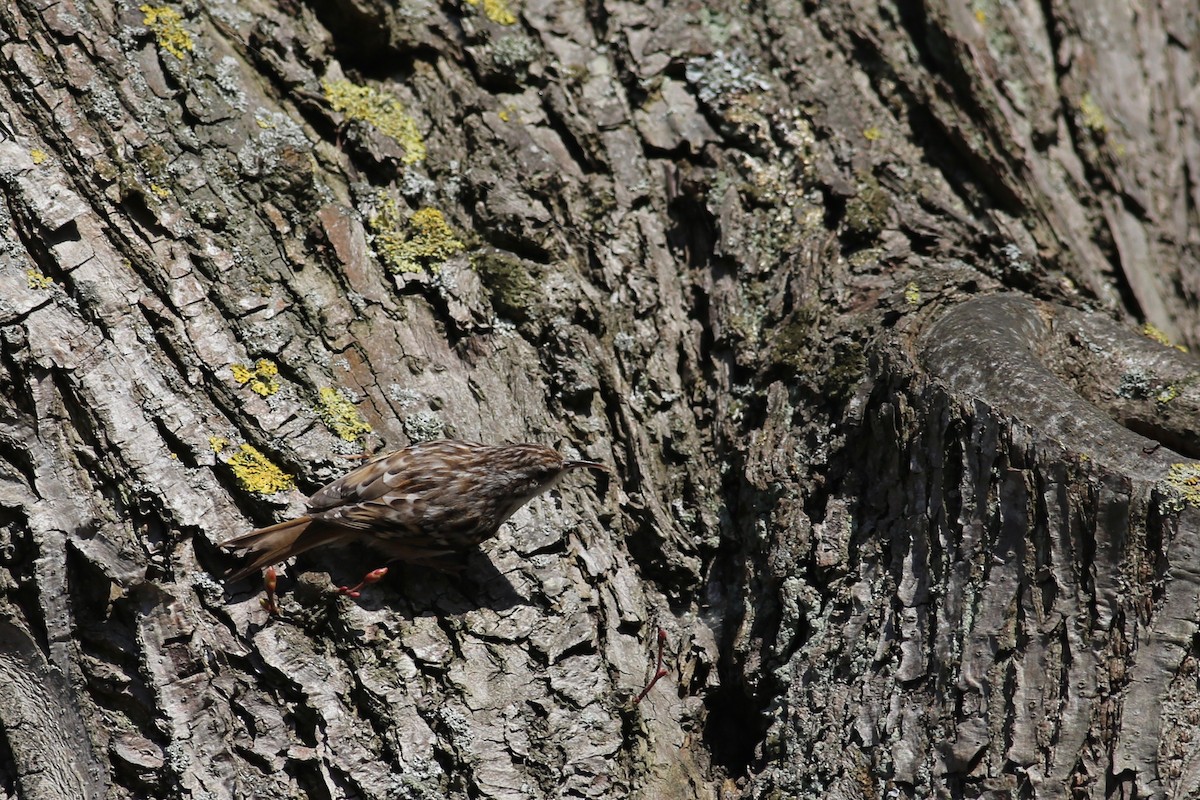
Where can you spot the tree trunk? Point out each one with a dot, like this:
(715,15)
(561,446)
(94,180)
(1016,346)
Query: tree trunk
(847,294)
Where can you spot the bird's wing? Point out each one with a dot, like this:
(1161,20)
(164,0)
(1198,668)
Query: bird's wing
(427,491)
(402,517)
(369,482)
(418,469)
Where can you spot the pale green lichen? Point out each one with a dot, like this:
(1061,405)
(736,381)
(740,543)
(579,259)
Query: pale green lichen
(424,426)
(419,243)
(868,256)
(263,379)
(514,53)
(340,415)
(167,24)
(497,11)
(730,84)
(1135,384)
(254,471)
(382,111)
(722,76)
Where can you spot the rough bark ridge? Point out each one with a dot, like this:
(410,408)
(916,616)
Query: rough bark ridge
(895,548)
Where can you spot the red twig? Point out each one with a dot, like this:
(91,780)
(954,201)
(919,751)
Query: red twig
(659,672)
(373,576)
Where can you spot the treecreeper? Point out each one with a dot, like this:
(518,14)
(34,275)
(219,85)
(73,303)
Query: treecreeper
(420,504)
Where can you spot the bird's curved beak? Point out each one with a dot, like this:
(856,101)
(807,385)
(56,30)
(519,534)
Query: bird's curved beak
(596,465)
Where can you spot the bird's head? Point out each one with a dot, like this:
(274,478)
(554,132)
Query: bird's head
(530,469)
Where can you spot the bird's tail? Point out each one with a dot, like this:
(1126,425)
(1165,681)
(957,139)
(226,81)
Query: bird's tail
(276,543)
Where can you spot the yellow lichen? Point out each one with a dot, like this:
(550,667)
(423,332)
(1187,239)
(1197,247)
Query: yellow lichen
(36,280)
(340,415)
(419,244)
(256,473)
(167,24)
(263,379)
(497,11)
(39,156)
(382,111)
(912,294)
(872,134)
(1183,485)
(1152,332)
(160,192)
(1167,393)
(218,443)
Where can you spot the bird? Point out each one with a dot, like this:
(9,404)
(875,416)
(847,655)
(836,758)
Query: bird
(422,503)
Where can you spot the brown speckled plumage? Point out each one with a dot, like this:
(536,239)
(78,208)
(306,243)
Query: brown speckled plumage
(419,503)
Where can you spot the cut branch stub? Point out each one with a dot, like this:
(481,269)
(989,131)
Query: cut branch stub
(1046,558)
(1080,379)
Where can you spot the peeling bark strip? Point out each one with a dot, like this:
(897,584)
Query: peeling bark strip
(1058,599)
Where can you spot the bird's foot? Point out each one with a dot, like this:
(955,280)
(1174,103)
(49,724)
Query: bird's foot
(374,576)
(659,671)
(270,582)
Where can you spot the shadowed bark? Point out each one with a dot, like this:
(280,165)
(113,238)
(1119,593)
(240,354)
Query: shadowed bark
(847,294)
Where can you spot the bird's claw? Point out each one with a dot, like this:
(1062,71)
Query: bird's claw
(374,576)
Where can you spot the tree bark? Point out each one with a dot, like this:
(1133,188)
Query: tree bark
(847,294)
